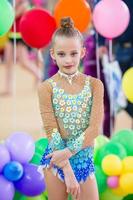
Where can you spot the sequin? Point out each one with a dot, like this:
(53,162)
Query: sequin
(68,102)
(84,105)
(74,108)
(61,91)
(67,115)
(61,115)
(68,109)
(77,121)
(62,102)
(65,120)
(55,101)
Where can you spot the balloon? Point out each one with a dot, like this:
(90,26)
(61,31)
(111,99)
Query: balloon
(45,194)
(3,41)
(99,142)
(127,84)
(113,181)
(72,8)
(40,197)
(126,183)
(127,164)
(111,148)
(111,165)
(41,145)
(118,191)
(21,147)
(101,179)
(125,137)
(4,156)
(19,196)
(6,189)
(37,27)
(128,197)
(36,159)
(69,197)
(13,171)
(32,183)
(6,17)
(108,195)
(111,18)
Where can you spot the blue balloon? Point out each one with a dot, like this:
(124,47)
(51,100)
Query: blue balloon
(32,183)
(13,171)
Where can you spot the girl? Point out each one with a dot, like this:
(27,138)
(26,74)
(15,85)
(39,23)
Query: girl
(71,106)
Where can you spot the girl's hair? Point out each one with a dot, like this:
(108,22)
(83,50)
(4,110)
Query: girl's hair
(67,29)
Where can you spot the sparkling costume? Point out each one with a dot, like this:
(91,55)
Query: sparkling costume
(71,114)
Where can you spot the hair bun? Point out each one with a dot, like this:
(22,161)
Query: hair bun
(66,22)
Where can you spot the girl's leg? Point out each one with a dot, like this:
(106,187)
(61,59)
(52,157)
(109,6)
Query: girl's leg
(8,61)
(26,63)
(56,189)
(89,190)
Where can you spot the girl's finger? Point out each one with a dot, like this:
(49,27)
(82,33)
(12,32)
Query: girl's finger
(49,155)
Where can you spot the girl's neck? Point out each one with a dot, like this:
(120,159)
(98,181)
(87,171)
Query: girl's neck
(69,77)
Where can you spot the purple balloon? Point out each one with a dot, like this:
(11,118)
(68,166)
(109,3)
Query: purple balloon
(7,190)
(4,156)
(32,183)
(21,147)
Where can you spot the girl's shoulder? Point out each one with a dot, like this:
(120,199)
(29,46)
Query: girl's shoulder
(46,85)
(96,83)
(93,80)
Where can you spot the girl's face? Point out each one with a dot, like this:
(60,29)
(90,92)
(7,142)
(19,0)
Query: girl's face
(67,53)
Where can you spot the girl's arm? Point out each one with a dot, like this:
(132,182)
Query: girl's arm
(50,124)
(96,119)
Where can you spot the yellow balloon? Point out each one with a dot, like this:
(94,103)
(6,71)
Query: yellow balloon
(112,165)
(119,191)
(3,40)
(127,84)
(127,164)
(126,182)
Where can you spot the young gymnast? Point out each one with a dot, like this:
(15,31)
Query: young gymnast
(71,106)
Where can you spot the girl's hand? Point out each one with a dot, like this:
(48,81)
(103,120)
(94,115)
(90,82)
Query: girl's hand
(59,156)
(72,185)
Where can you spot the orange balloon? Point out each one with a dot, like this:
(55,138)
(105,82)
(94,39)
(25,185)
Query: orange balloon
(78,10)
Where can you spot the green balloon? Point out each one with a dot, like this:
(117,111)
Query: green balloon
(125,137)
(128,197)
(19,196)
(36,159)
(108,195)
(7,16)
(101,179)
(70,197)
(110,148)
(40,197)
(41,145)
(45,194)
(100,141)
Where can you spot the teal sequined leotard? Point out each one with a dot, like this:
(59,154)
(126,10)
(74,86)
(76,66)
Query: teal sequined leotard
(72,112)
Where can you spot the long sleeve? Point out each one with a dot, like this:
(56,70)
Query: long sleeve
(96,118)
(48,118)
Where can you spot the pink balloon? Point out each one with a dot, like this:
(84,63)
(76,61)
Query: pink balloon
(111,18)
(113,181)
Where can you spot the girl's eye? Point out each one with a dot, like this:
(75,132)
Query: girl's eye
(74,54)
(61,54)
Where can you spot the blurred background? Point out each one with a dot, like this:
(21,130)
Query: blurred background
(21,73)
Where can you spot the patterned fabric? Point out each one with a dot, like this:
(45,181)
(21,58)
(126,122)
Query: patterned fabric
(72,112)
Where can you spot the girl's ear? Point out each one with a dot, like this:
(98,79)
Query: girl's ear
(52,54)
(83,51)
